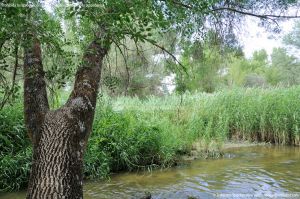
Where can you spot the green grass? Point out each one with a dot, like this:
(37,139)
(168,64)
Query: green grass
(132,134)
(15,150)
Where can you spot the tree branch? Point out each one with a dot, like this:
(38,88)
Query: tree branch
(180,4)
(126,65)
(35,95)
(82,101)
(3,39)
(168,52)
(264,16)
(88,75)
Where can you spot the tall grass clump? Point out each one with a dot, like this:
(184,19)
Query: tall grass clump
(12,131)
(129,140)
(266,115)
(133,134)
(15,151)
(15,170)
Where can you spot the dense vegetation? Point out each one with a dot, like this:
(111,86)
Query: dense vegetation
(137,53)
(130,133)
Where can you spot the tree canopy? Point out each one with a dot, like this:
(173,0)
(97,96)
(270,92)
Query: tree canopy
(72,25)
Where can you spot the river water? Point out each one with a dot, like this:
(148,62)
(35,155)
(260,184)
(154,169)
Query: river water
(247,172)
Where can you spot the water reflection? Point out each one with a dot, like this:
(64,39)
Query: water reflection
(253,170)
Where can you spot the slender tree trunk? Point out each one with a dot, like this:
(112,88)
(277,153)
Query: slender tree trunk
(59,137)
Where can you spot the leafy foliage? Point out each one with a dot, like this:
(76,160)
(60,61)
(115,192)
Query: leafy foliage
(132,70)
(155,131)
(287,65)
(293,38)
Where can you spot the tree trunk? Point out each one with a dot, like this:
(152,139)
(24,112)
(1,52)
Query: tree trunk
(58,157)
(59,137)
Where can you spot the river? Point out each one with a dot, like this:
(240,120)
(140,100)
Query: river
(247,172)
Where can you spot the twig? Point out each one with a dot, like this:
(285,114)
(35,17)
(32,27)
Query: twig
(126,65)
(168,52)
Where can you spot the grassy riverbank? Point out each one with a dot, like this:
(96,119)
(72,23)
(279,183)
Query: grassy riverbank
(130,134)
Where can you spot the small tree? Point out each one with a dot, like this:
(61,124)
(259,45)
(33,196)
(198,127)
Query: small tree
(287,65)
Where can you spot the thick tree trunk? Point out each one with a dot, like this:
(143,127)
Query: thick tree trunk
(59,137)
(58,157)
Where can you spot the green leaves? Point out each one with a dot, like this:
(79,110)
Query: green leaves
(293,38)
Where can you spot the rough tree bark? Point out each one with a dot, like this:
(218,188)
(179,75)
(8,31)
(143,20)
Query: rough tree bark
(59,136)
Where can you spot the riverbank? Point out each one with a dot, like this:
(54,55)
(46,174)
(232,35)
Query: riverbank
(199,152)
(132,134)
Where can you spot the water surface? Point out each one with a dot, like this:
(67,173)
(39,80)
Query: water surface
(250,172)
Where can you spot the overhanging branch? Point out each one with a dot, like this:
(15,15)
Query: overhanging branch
(168,52)
(264,16)
(231,9)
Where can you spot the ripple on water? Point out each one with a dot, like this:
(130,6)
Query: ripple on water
(254,170)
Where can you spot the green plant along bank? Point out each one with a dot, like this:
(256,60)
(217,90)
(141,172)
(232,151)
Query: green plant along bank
(131,134)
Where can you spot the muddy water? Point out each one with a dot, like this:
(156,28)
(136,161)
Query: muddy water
(251,172)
